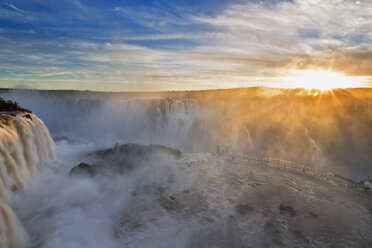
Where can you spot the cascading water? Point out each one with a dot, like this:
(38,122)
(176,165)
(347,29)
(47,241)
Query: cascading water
(25,144)
(198,123)
(263,188)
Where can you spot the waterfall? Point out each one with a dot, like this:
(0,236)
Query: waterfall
(249,139)
(315,151)
(258,124)
(166,121)
(25,144)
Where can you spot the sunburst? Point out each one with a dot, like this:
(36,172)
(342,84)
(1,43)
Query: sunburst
(322,79)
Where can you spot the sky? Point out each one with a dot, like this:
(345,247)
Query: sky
(144,45)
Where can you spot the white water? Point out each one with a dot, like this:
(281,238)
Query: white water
(58,210)
(24,144)
(162,121)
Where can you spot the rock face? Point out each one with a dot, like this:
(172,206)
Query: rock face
(83,169)
(124,158)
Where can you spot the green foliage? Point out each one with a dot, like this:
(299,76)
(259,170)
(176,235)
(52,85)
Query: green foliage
(11,106)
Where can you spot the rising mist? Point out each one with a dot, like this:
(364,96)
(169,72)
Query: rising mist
(252,167)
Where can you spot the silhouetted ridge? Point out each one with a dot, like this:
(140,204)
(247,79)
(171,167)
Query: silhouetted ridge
(11,106)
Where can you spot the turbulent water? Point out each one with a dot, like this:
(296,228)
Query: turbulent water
(238,195)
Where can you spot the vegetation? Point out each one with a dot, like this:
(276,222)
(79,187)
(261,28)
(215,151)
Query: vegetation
(11,106)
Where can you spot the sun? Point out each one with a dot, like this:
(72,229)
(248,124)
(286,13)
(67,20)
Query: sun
(321,79)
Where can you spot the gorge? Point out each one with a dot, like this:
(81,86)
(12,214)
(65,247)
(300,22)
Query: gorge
(252,167)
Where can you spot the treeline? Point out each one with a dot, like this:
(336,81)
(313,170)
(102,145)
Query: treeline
(11,106)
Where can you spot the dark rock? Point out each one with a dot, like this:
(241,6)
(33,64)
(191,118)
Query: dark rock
(137,150)
(28,116)
(83,169)
(14,188)
(287,210)
(124,158)
(314,215)
(270,229)
(243,209)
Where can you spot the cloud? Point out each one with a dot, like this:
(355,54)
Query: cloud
(241,45)
(300,33)
(150,17)
(13,7)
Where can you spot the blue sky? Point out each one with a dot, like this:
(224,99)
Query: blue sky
(176,45)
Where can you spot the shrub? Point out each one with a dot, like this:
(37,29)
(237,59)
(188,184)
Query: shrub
(11,106)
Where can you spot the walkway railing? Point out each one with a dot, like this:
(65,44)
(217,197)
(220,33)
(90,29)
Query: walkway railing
(363,187)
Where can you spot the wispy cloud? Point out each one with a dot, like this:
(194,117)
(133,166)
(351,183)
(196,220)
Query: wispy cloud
(13,7)
(240,45)
(299,33)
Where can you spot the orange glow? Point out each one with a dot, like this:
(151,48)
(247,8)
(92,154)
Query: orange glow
(322,79)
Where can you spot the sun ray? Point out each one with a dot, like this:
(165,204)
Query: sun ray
(323,80)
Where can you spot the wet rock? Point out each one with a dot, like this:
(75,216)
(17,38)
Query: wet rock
(243,209)
(14,188)
(287,210)
(28,116)
(270,229)
(314,215)
(83,169)
(137,150)
(124,158)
